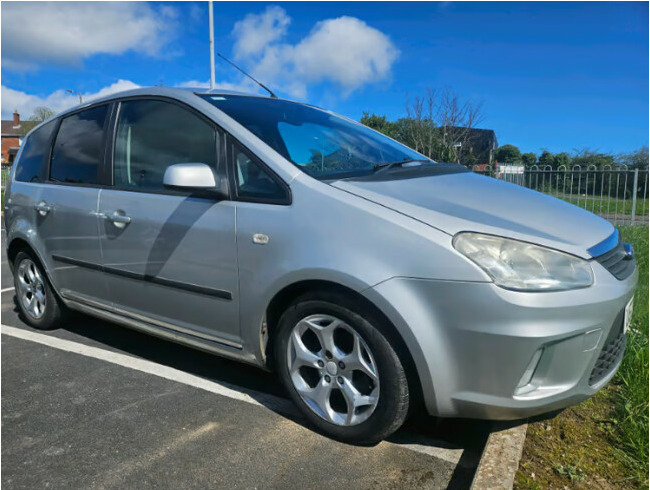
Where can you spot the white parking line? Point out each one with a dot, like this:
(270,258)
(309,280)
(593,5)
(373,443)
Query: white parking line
(282,405)
(6,289)
(237,393)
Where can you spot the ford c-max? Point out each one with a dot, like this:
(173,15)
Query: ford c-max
(370,278)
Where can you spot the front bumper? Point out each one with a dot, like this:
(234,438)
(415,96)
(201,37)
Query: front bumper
(485,352)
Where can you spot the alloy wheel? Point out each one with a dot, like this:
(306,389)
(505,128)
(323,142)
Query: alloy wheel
(31,289)
(333,370)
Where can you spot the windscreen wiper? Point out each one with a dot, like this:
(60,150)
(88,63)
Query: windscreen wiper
(388,165)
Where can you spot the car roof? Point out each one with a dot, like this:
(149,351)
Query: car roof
(172,92)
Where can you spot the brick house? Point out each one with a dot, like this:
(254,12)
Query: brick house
(11,138)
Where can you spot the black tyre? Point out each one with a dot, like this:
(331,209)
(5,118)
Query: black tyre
(39,305)
(340,369)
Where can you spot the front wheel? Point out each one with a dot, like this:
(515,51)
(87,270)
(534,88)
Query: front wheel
(341,370)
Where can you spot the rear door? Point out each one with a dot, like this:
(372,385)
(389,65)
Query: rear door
(66,207)
(169,257)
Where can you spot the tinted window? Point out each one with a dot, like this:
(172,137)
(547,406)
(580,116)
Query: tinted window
(78,149)
(30,165)
(151,135)
(253,182)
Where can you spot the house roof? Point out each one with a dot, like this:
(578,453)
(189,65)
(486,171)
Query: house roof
(7,128)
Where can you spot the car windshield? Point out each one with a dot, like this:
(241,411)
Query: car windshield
(322,144)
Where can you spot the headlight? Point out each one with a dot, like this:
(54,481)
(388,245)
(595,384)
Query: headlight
(523,266)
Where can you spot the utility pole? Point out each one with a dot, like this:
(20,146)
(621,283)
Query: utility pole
(211,45)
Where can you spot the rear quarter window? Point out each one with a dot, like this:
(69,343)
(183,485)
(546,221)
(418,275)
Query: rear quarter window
(30,165)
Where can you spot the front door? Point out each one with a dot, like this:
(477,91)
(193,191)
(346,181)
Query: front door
(169,257)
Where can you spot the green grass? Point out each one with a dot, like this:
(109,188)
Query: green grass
(632,400)
(607,205)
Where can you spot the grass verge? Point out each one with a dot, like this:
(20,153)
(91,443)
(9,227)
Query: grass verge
(603,442)
(632,377)
(606,205)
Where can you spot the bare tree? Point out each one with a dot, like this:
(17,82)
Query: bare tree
(441,123)
(42,113)
(420,124)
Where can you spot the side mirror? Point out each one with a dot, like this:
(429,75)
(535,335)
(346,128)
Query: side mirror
(195,176)
(189,176)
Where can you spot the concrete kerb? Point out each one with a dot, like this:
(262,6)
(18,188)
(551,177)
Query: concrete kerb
(500,459)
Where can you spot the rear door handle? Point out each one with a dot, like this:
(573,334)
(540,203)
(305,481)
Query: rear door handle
(43,208)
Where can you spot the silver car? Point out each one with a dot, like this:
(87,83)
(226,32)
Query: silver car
(370,278)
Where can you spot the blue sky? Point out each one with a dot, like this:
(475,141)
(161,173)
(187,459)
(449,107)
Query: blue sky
(556,75)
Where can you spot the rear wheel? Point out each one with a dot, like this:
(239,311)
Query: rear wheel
(341,370)
(38,304)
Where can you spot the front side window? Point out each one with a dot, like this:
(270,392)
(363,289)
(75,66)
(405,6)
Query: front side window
(152,135)
(320,143)
(79,147)
(29,167)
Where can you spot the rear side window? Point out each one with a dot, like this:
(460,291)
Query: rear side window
(79,147)
(153,134)
(29,167)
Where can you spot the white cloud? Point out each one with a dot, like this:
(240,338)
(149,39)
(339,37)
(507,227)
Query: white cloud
(58,100)
(256,31)
(64,33)
(344,50)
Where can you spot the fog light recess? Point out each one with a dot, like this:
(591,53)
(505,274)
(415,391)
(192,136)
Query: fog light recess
(525,381)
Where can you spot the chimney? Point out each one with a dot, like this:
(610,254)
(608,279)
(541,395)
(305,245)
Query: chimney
(16,119)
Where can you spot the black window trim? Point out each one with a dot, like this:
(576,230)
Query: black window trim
(284,201)
(45,169)
(102,164)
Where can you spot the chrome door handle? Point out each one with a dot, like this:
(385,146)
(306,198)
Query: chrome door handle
(43,208)
(119,220)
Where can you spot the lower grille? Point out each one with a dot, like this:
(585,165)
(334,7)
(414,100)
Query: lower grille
(611,354)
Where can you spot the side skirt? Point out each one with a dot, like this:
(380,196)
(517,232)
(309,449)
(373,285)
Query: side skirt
(214,347)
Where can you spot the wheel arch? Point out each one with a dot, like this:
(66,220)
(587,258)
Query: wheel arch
(20,243)
(21,234)
(15,246)
(287,295)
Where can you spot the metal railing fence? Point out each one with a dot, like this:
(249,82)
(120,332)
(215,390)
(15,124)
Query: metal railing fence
(618,194)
